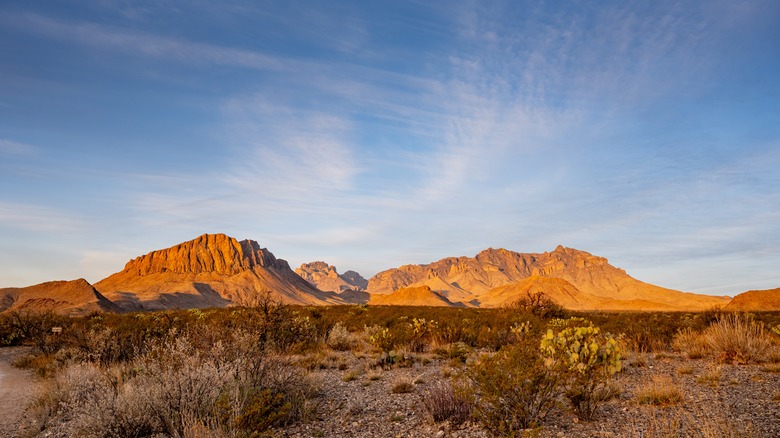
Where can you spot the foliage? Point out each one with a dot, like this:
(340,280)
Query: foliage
(586,358)
(339,338)
(516,391)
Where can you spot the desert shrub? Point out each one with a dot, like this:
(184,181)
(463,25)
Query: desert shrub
(444,401)
(456,351)
(175,387)
(380,337)
(539,304)
(339,338)
(587,358)
(514,388)
(420,334)
(33,328)
(692,343)
(738,339)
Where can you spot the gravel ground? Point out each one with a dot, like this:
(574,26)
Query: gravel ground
(17,390)
(739,399)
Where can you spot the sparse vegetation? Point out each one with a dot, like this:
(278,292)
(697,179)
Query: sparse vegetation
(661,391)
(447,402)
(226,372)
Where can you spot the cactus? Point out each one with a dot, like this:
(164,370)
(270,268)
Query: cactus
(588,358)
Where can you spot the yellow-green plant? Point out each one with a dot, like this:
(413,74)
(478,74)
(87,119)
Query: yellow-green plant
(587,358)
(776,329)
(420,333)
(380,338)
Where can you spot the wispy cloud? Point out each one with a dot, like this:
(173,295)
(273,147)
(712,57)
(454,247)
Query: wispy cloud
(132,41)
(37,218)
(9,147)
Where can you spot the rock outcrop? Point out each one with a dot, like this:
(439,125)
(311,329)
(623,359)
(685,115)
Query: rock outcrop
(600,285)
(213,270)
(326,278)
(74,298)
(755,301)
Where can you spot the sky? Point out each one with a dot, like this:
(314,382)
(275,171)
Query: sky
(371,134)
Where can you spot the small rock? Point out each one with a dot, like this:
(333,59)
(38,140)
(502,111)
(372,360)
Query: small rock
(440,434)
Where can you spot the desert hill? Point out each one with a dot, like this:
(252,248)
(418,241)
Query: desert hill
(74,298)
(326,278)
(560,291)
(213,270)
(411,296)
(755,300)
(600,285)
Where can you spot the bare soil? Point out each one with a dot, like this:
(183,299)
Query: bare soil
(743,400)
(18,389)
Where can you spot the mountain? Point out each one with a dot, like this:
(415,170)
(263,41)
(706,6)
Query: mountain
(213,270)
(411,296)
(75,298)
(600,285)
(755,300)
(325,277)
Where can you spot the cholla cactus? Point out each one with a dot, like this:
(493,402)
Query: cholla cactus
(776,329)
(588,357)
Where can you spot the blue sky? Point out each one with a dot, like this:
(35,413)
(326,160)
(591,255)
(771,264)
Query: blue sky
(373,134)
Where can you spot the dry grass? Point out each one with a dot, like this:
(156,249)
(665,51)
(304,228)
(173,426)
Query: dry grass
(711,377)
(445,402)
(737,339)
(403,386)
(661,391)
(685,370)
(693,344)
(701,423)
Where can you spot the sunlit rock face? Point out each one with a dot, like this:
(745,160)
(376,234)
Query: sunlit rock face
(590,281)
(213,270)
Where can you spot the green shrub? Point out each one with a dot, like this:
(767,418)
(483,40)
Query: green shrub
(586,358)
(515,389)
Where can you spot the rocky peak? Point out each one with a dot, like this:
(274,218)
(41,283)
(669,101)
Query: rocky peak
(326,277)
(216,253)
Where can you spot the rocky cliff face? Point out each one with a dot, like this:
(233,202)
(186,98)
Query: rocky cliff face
(325,277)
(467,279)
(213,270)
(212,253)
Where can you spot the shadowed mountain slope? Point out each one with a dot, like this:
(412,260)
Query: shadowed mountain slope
(74,298)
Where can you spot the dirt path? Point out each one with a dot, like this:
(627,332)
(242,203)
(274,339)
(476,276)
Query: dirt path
(17,389)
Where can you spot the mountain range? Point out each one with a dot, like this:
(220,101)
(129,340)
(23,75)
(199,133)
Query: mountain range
(215,270)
